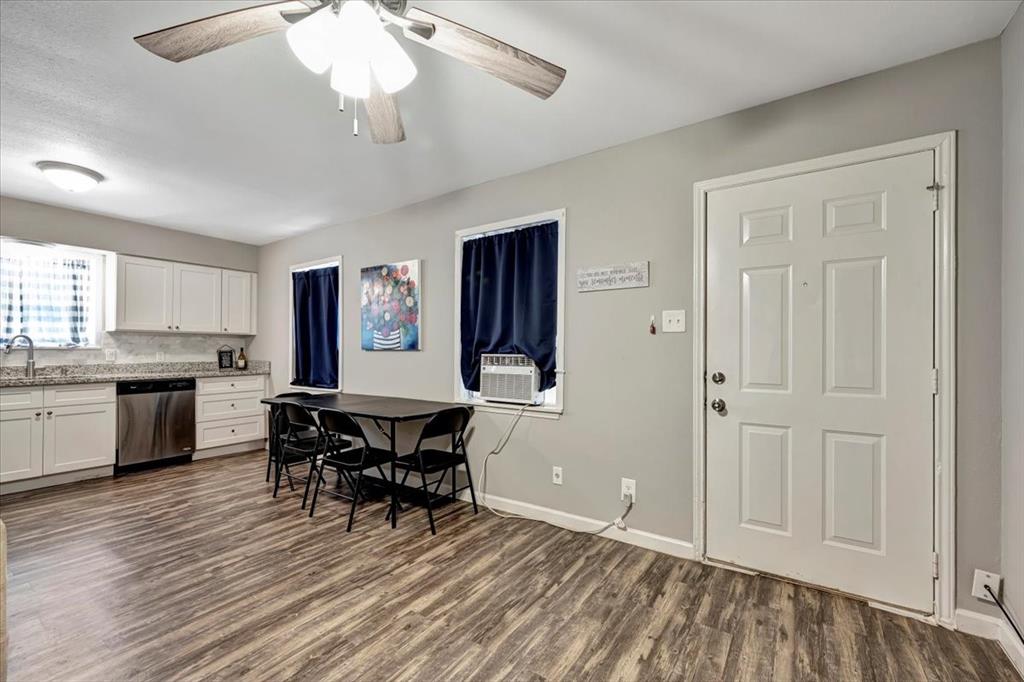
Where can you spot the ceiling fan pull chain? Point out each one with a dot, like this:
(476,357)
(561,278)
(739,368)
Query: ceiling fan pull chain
(355,119)
(341,102)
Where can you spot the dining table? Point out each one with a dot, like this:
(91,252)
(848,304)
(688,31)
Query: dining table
(385,412)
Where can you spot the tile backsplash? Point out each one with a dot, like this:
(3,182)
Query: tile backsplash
(133,347)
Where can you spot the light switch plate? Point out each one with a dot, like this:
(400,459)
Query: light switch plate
(673,321)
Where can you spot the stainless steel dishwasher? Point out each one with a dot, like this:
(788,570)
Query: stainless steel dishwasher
(156,420)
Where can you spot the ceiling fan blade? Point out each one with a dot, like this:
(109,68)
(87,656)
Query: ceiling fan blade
(194,38)
(382,112)
(512,65)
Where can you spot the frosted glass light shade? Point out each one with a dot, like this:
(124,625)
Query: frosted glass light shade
(350,75)
(391,65)
(312,39)
(70,177)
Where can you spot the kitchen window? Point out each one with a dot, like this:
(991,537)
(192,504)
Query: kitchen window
(510,299)
(316,325)
(50,293)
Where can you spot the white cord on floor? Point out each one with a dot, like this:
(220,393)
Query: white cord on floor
(619,523)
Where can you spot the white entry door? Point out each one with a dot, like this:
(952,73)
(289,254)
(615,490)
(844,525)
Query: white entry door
(819,347)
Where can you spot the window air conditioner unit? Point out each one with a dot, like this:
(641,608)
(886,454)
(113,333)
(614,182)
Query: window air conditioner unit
(509,379)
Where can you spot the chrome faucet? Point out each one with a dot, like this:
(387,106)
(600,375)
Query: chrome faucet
(30,363)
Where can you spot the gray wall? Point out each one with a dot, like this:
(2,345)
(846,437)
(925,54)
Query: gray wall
(628,404)
(1013,313)
(40,222)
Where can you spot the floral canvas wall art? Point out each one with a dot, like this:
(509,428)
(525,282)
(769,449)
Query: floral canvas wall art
(390,298)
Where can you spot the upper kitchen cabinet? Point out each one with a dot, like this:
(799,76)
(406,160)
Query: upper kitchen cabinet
(144,298)
(238,302)
(196,299)
(163,296)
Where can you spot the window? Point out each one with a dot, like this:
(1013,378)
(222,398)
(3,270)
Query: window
(316,325)
(50,293)
(510,298)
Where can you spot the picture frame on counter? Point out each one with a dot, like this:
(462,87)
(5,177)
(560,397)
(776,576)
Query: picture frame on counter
(226,357)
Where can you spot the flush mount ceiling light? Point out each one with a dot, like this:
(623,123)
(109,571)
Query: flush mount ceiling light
(366,62)
(70,177)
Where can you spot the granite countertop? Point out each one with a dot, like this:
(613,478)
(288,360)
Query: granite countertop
(54,375)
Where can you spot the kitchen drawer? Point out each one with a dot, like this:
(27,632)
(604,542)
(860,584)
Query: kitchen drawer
(216,406)
(229,431)
(239,384)
(21,397)
(79,394)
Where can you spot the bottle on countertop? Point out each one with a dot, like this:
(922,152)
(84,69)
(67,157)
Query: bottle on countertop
(242,361)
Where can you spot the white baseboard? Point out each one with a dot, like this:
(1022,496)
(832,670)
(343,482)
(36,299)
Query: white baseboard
(54,479)
(640,538)
(992,627)
(235,449)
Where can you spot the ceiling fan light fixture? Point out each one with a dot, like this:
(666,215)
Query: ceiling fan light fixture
(351,77)
(391,65)
(311,39)
(70,177)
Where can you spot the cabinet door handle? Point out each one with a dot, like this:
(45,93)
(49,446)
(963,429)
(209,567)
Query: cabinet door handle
(168,326)
(39,414)
(225,328)
(232,404)
(177,327)
(49,413)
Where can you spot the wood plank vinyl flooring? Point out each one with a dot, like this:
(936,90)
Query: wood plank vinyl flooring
(194,572)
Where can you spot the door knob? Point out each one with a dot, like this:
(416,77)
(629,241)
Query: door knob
(718,405)
(718,378)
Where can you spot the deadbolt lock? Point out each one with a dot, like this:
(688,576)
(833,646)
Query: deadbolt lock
(718,378)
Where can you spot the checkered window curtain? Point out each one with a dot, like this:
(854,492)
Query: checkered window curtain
(48,294)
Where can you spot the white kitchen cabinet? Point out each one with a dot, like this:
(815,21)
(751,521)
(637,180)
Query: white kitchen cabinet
(79,437)
(238,302)
(22,397)
(230,431)
(142,295)
(197,299)
(147,294)
(21,444)
(234,384)
(211,407)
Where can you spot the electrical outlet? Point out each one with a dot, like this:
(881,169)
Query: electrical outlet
(556,475)
(673,321)
(161,356)
(110,354)
(982,578)
(628,489)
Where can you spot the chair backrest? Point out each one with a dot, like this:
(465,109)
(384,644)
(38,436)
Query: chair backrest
(451,422)
(297,415)
(340,423)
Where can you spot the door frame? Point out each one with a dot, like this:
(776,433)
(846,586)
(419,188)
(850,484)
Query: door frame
(944,339)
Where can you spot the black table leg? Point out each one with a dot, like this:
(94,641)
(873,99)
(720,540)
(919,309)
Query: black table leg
(394,498)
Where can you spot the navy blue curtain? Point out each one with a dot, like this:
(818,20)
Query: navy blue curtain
(510,299)
(315,324)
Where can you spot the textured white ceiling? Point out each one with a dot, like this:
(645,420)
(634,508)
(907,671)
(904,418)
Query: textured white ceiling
(246,144)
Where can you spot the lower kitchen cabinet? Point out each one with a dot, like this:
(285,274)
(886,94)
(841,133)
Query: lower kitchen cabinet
(56,430)
(79,437)
(21,444)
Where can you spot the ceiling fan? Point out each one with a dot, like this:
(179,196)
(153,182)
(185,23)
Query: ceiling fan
(366,62)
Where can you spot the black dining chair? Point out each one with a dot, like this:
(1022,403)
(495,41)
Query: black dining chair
(342,455)
(279,425)
(295,446)
(452,423)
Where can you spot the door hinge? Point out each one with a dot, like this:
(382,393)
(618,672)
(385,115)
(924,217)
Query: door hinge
(935,564)
(935,381)
(934,189)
